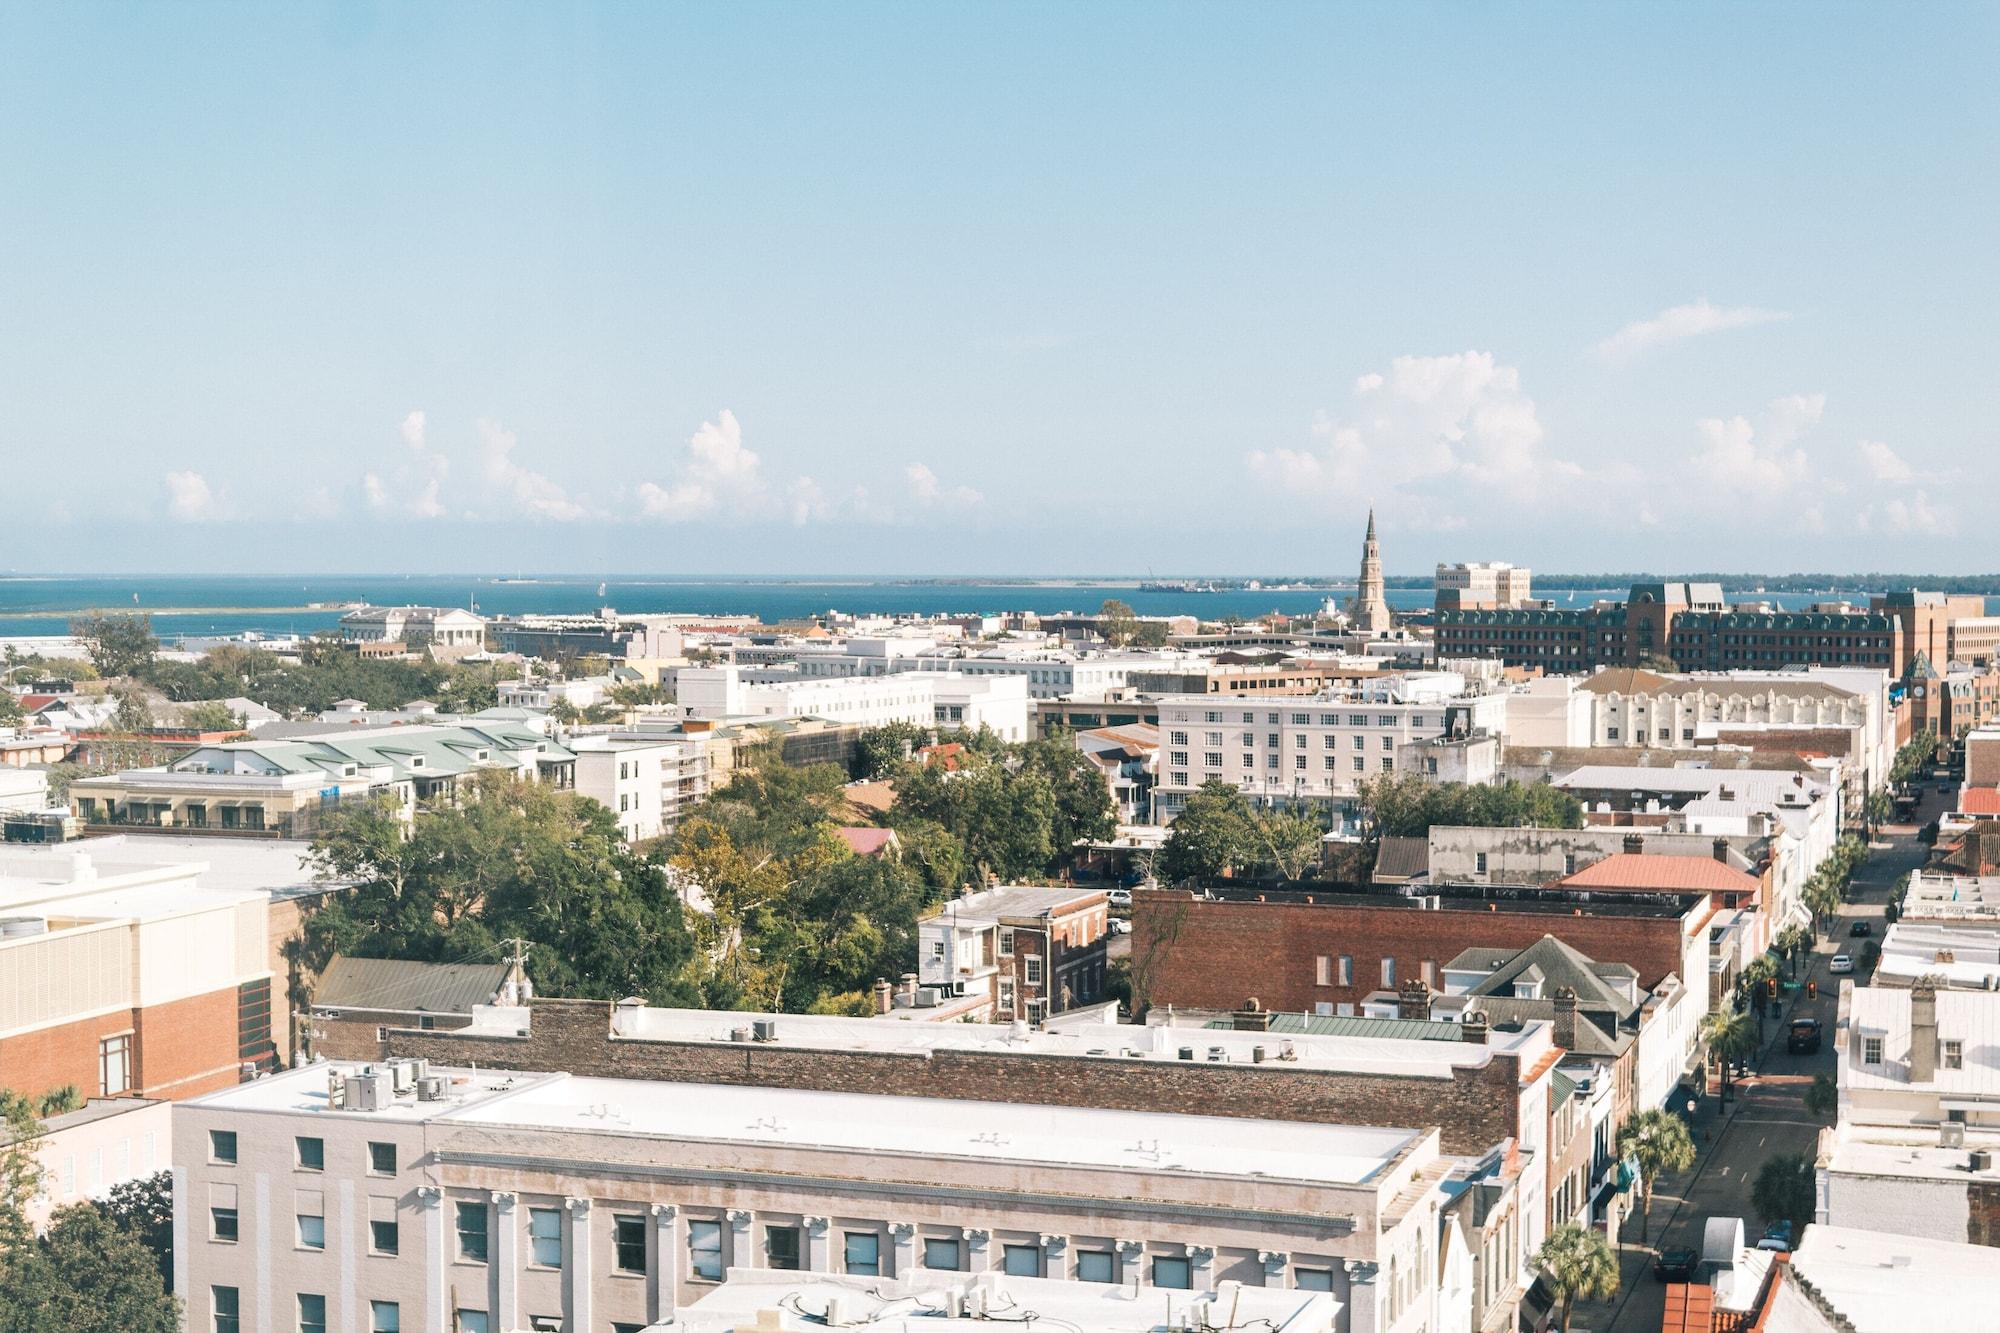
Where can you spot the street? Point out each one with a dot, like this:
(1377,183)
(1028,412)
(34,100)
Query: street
(1769,1115)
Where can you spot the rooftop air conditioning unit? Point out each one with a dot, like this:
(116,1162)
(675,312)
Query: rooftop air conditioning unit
(367,1092)
(1951,1134)
(430,1088)
(1218,1054)
(739,1034)
(766,1029)
(1980,1160)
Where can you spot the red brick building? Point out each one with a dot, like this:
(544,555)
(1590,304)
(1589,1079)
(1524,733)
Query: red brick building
(1336,950)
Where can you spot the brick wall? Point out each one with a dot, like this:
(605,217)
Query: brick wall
(1474,1109)
(178,1050)
(1215,954)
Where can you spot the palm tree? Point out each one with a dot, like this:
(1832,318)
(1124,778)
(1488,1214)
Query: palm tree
(1657,1141)
(1729,1034)
(1579,1264)
(1793,941)
(1755,980)
(1822,894)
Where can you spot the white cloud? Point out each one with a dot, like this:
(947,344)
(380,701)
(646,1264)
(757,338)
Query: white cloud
(1734,460)
(413,429)
(717,474)
(533,494)
(1912,515)
(1680,322)
(190,499)
(1456,430)
(1885,464)
(931,493)
(375,492)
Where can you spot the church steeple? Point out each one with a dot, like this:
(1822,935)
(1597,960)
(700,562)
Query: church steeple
(1369,611)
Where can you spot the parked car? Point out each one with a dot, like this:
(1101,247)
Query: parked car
(1804,1037)
(1841,965)
(1120,897)
(1780,1231)
(1120,926)
(1676,1265)
(1860,930)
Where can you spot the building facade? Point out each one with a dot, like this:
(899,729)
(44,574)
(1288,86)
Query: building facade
(1030,951)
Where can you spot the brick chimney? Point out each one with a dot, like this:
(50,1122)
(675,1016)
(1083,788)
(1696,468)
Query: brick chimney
(1414,1000)
(1252,1017)
(1565,1002)
(1722,850)
(1923,1030)
(1472,1026)
(1635,843)
(883,996)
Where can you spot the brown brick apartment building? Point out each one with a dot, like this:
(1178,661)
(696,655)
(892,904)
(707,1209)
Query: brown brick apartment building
(1332,950)
(1687,623)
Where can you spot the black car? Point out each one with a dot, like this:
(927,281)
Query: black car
(1676,1265)
(1804,1037)
(1859,929)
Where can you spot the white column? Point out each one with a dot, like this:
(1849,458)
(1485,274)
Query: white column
(904,1234)
(1277,1266)
(978,1249)
(1132,1263)
(505,1254)
(743,1251)
(437,1319)
(1201,1267)
(579,1263)
(1055,1256)
(816,1256)
(666,1261)
(1363,1297)
(181,1241)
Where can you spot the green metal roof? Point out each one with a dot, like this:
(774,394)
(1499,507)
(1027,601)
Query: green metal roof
(1336,1025)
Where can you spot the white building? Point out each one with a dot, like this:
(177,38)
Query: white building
(542,695)
(646,783)
(1494,585)
(446,631)
(951,700)
(1917,1147)
(962,702)
(1050,673)
(1306,749)
(88,1152)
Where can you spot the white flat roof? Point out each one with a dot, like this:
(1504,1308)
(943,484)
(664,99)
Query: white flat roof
(304,1091)
(1971,1018)
(936,1127)
(1885,1283)
(1085,1039)
(801,1301)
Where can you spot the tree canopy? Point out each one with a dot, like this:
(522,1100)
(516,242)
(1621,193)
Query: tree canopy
(1579,1264)
(1220,832)
(118,645)
(1783,1190)
(1404,805)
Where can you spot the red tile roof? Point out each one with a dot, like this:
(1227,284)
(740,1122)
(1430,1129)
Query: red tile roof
(1979,800)
(865,841)
(1641,870)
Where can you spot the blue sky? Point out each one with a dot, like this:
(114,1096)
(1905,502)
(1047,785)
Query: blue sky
(1023,288)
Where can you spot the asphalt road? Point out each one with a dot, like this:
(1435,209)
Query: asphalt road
(1769,1116)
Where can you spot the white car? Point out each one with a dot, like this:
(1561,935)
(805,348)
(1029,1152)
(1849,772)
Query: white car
(1120,926)
(1841,965)
(1120,897)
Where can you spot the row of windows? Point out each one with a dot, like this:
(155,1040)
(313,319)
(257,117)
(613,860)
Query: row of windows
(1304,720)
(1332,970)
(1179,776)
(383,1316)
(308,1153)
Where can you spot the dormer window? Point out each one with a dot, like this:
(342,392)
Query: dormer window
(1527,990)
(416,761)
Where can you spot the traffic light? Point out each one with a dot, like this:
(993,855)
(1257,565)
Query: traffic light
(1771,987)
(1812,990)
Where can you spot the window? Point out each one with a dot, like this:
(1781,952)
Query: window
(1323,970)
(1022,1260)
(705,1250)
(781,1247)
(1313,1279)
(1388,972)
(1871,1050)
(1095,1266)
(1347,969)
(312,1231)
(1360,742)
(1211,759)
(382,1159)
(311,1154)
(114,1065)
(1388,764)
(1298,740)
(940,1252)
(1479,863)
(385,1317)
(1301,719)
(472,1233)
(1172,1271)
(1356,720)
(1006,941)
(545,1237)
(629,1235)
(545,1323)
(384,1237)
(1299,762)
(1954,1055)
(1385,721)
(1428,971)
(864,1253)
(1177,738)
(472,1321)
(1033,964)
(312,1313)
(1388,742)
(225,1302)
(222,1225)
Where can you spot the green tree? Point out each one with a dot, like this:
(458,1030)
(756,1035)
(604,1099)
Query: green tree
(11,712)
(144,1210)
(639,694)
(85,1275)
(1913,757)
(882,750)
(1406,805)
(1792,944)
(1755,983)
(564,713)
(1732,1037)
(211,715)
(118,645)
(1823,1097)
(1288,841)
(1579,1264)
(134,715)
(59,1101)
(1082,797)
(1117,622)
(1783,1190)
(20,1172)
(1658,1142)
(1213,833)
(1151,634)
